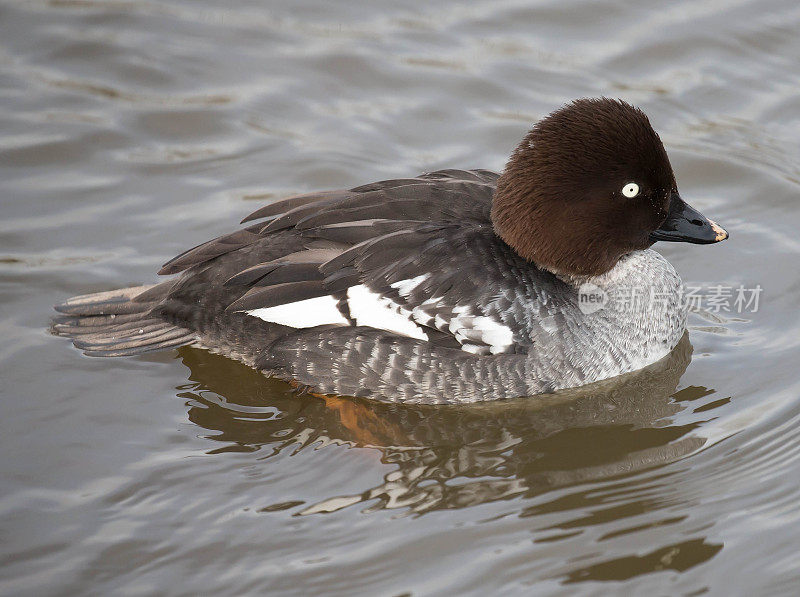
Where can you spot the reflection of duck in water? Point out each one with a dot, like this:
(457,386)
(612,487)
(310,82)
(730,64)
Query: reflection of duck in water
(450,457)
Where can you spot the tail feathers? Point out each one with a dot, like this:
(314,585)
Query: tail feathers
(112,302)
(119,322)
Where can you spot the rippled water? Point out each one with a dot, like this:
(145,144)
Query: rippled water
(132,130)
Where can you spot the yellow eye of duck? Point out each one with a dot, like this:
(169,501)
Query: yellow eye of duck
(630,190)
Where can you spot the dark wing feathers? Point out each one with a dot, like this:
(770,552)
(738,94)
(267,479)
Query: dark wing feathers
(290,218)
(440,196)
(289,203)
(267,274)
(424,200)
(211,249)
(252,275)
(314,245)
(261,297)
(291,272)
(384,185)
(477,175)
(355,232)
(300,261)
(447,195)
(377,234)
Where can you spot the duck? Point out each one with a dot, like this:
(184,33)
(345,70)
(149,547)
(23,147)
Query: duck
(451,287)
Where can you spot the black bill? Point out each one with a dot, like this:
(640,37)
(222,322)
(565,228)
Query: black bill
(685,224)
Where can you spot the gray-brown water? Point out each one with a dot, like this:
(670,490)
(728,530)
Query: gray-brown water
(132,130)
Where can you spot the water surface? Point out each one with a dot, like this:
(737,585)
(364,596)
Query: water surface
(132,130)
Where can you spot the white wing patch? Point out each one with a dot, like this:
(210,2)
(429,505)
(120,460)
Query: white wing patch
(404,287)
(308,313)
(371,309)
(477,334)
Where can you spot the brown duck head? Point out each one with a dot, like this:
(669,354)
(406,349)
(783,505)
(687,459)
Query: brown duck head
(590,183)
